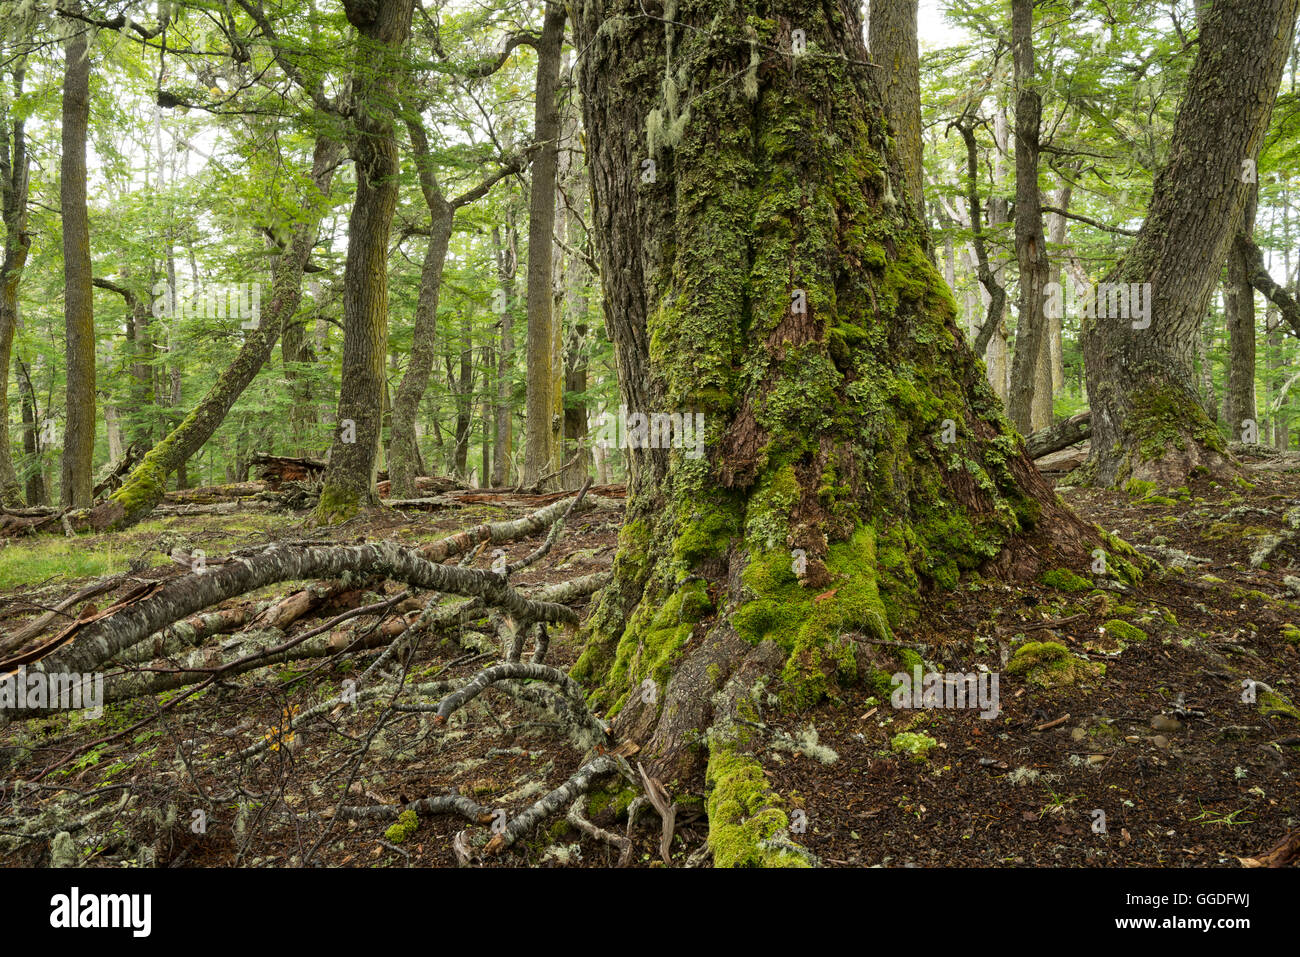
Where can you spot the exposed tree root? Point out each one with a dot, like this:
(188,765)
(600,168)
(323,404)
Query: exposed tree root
(580,822)
(566,793)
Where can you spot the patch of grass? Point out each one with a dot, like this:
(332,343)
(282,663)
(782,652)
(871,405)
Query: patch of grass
(34,561)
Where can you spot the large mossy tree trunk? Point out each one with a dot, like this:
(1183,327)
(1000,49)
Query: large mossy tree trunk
(78,294)
(147,484)
(382,29)
(1147,420)
(760,269)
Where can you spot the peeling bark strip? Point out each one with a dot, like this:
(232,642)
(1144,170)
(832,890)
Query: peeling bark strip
(99,642)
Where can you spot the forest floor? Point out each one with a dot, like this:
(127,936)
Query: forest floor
(1185,771)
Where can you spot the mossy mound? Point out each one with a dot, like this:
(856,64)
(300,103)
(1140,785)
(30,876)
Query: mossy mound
(1049,664)
(1065,580)
(915,745)
(1126,633)
(744,814)
(401,830)
(1272,704)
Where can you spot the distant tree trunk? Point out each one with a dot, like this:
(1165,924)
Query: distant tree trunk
(349,483)
(1031,244)
(464,395)
(15,166)
(1277,377)
(78,295)
(1147,421)
(1239,313)
(147,483)
(539,412)
(891,27)
(503,438)
(1057,235)
(37,493)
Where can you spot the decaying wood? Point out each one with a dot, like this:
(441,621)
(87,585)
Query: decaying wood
(1059,436)
(275,470)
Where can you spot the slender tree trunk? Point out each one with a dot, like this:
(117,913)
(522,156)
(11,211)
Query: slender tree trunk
(382,28)
(761,278)
(37,493)
(78,294)
(1031,244)
(403,451)
(15,166)
(575,283)
(1239,313)
(503,438)
(539,425)
(1058,232)
(1147,421)
(464,395)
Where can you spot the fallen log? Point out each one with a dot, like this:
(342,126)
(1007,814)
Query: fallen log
(1059,436)
(115,473)
(87,645)
(275,470)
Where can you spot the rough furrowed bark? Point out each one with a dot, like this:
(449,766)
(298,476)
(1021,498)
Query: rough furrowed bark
(382,29)
(764,273)
(1148,422)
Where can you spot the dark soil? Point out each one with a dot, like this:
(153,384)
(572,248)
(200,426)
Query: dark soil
(1214,783)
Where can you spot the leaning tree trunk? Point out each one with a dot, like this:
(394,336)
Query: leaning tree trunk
(759,270)
(1147,420)
(145,486)
(403,451)
(78,294)
(382,28)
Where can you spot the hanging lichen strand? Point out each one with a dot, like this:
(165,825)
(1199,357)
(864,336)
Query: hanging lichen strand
(856,455)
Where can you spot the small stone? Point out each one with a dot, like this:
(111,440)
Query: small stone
(1097,759)
(1160,741)
(1163,722)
